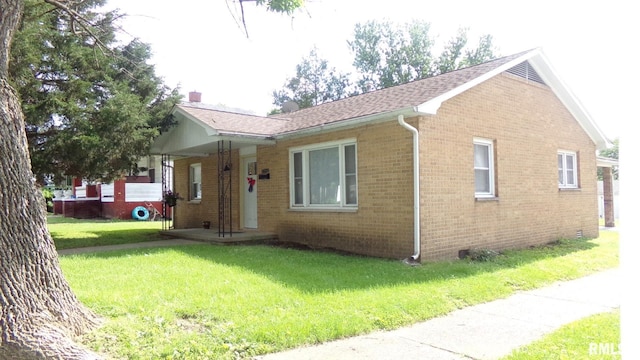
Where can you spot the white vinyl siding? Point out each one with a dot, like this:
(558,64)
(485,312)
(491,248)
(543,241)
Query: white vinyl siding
(483,168)
(324,175)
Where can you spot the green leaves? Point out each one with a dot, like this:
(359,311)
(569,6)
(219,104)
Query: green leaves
(92,106)
(282,6)
(315,83)
(388,54)
(384,54)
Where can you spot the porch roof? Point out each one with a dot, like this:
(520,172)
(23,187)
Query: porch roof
(201,127)
(606,162)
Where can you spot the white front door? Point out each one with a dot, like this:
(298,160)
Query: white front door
(249,181)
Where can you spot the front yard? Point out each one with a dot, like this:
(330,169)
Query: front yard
(227,302)
(70,233)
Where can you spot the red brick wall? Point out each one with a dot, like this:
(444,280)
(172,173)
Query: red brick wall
(123,210)
(78,208)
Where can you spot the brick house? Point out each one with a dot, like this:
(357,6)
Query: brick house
(498,155)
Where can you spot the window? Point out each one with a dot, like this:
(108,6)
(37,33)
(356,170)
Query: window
(483,167)
(567,170)
(324,175)
(195,181)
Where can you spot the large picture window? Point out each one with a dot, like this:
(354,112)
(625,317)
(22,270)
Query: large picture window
(195,181)
(483,167)
(324,175)
(567,169)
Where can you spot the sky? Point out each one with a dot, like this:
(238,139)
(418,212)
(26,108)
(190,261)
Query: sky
(199,45)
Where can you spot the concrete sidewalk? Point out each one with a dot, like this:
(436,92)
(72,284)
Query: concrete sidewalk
(486,331)
(148,244)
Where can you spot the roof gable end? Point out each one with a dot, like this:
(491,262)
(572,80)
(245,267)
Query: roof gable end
(544,73)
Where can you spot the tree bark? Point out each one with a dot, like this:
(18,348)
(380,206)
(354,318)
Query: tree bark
(39,314)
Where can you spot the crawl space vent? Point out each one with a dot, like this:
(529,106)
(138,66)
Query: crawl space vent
(579,234)
(524,70)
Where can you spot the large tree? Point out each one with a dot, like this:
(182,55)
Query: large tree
(457,54)
(39,314)
(79,100)
(385,54)
(388,53)
(314,83)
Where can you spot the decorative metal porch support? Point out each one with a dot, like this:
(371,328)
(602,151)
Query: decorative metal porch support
(167,173)
(225,214)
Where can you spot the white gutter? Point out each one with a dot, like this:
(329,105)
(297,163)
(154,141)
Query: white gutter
(346,124)
(416,187)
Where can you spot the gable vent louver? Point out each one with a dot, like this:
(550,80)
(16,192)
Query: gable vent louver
(524,70)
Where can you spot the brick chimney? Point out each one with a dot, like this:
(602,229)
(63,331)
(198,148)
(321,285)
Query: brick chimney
(195,96)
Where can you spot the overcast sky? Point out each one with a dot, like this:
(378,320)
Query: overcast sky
(198,44)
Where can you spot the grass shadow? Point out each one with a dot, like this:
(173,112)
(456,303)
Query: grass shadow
(321,271)
(70,233)
(107,237)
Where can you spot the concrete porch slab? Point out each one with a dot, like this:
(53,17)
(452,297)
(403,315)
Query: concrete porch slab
(212,236)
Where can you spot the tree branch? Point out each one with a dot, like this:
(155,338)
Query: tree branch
(83,22)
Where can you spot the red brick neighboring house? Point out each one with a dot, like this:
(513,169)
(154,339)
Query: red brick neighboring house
(498,155)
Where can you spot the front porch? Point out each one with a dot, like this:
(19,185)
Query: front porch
(212,236)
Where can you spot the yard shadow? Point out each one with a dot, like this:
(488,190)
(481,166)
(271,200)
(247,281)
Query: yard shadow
(104,237)
(316,271)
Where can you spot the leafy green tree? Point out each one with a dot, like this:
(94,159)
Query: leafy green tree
(388,54)
(79,100)
(612,153)
(385,54)
(456,55)
(39,315)
(315,83)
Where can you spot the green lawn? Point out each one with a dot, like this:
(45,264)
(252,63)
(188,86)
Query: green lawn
(73,233)
(227,302)
(595,337)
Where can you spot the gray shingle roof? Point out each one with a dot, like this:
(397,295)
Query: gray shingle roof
(389,99)
(375,102)
(231,122)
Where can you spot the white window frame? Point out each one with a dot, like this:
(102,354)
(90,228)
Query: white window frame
(563,168)
(195,195)
(304,151)
(491,169)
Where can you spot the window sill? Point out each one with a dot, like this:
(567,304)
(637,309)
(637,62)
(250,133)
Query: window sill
(194,202)
(569,189)
(488,198)
(320,209)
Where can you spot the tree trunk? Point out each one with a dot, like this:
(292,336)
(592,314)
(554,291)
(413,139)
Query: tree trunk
(39,314)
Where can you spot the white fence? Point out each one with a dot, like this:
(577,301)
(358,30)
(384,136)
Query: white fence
(107,192)
(142,192)
(134,192)
(81,192)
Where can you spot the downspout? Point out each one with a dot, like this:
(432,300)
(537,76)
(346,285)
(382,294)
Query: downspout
(416,187)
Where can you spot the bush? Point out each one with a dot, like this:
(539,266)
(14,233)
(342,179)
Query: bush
(482,255)
(48,198)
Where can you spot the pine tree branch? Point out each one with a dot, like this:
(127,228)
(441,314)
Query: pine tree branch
(83,22)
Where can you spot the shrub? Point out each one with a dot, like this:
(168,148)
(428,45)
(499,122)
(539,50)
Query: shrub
(482,255)
(48,198)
